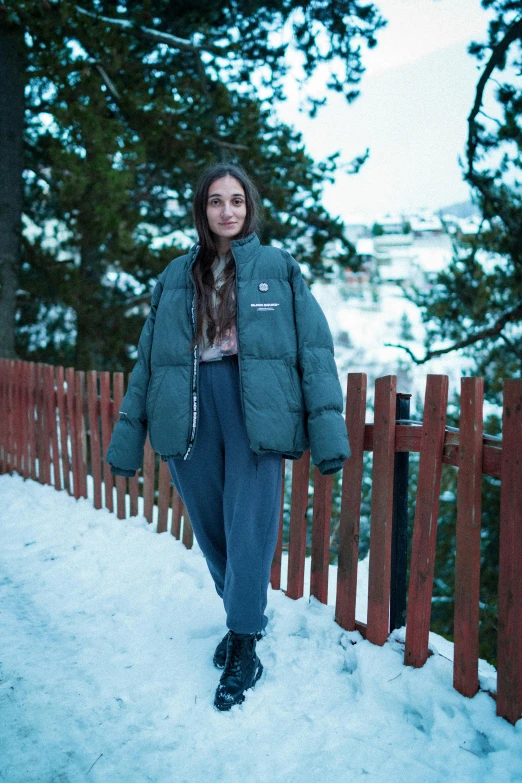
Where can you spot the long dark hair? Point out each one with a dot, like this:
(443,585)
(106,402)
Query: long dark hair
(202,272)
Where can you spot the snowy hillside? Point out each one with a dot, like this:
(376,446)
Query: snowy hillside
(107,633)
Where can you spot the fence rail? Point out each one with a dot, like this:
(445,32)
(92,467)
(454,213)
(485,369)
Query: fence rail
(56,424)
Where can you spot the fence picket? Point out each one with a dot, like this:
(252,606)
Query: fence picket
(60,401)
(321,536)
(121,481)
(17,420)
(10,413)
(44,465)
(188,534)
(81,431)
(106,429)
(31,424)
(163,496)
(52,425)
(297,532)
(425,522)
(275,569)
(509,660)
(467,557)
(70,399)
(149,464)
(25,419)
(3,416)
(381,510)
(94,436)
(177,512)
(350,514)
(133,485)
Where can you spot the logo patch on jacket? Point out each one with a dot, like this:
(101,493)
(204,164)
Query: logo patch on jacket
(263,287)
(264,305)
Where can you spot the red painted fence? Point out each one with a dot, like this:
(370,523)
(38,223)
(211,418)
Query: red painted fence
(55,427)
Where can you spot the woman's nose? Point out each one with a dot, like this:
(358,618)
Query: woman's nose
(227,209)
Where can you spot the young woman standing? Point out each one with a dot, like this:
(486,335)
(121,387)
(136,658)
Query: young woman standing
(235,371)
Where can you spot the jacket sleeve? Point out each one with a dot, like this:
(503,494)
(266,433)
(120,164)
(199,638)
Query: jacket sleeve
(322,391)
(125,452)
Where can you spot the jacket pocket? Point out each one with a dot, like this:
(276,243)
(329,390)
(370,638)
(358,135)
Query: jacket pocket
(153,391)
(295,384)
(291,395)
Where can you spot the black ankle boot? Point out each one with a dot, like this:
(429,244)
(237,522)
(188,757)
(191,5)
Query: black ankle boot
(242,670)
(220,653)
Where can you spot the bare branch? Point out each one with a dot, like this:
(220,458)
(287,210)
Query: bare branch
(108,82)
(155,35)
(491,331)
(512,346)
(514,32)
(138,300)
(229,144)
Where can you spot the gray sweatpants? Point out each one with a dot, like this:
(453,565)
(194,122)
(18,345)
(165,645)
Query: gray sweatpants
(232,497)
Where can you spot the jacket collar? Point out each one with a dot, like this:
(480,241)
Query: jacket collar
(242,249)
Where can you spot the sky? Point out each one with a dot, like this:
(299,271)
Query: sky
(415,96)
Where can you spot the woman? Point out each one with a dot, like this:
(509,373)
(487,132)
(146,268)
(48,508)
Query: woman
(235,371)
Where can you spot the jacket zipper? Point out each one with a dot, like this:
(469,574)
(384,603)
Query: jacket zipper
(194,391)
(237,335)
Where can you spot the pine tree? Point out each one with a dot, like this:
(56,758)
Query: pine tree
(125,105)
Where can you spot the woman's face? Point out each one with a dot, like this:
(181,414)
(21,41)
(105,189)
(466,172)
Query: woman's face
(226,208)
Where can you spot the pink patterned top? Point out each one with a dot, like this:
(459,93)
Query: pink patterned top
(225,344)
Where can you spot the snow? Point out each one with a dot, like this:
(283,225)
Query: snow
(106,673)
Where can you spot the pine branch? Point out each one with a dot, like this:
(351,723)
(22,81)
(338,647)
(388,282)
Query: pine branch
(155,35)
(491,331)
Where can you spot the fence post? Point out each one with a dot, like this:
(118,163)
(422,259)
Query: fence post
(509,660)
(399,550)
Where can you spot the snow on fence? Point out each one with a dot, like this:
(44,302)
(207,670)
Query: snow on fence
(55,427)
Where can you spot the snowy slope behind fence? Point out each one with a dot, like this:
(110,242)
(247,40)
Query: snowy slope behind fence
(55,427)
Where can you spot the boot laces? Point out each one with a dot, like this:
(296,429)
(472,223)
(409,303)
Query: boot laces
(233,663)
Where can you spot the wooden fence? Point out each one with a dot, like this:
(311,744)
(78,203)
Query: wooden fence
(55,427)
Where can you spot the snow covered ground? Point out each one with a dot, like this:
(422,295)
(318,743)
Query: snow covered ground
(106,638)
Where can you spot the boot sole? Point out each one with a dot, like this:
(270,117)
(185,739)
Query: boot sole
(241,699)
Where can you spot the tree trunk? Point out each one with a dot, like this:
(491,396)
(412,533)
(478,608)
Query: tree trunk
(12,80)
(89,329)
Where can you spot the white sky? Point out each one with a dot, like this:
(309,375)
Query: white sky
(415,96)
(417,27)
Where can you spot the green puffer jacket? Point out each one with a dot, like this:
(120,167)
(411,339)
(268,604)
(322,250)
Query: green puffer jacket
(290,390)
